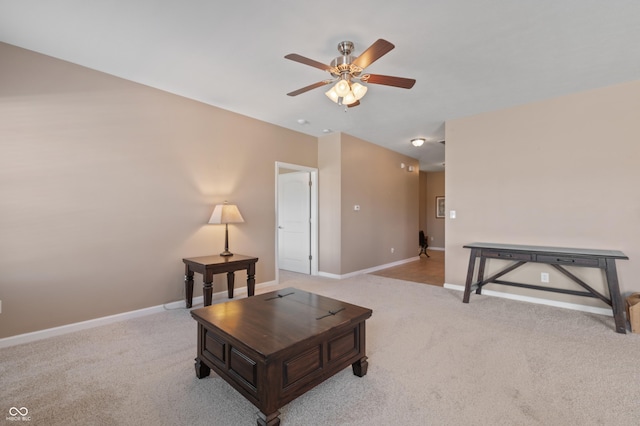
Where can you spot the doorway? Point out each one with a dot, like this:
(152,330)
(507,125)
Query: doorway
(296,219)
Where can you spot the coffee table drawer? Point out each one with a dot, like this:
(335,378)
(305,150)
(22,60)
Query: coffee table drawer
(232,360)
(301,365)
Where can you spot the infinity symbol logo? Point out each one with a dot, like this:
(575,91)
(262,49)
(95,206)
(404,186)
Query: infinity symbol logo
(22,411)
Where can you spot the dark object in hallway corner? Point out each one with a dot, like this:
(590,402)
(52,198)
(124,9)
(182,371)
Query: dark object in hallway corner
(423,244)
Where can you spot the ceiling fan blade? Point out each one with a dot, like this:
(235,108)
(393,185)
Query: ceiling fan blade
(297,58)
(309,87)
(387,80)
(373,53)
(355,104)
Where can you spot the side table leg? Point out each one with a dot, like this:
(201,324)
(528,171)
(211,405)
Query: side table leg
(202,370)
(272,419)
(614,294)
(360,367)
(188,286)
(207,287)
(231,280)
(251,279)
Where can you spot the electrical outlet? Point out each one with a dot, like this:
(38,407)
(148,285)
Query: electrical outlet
(544,277)
(393,250)
(0,306)
(431,238)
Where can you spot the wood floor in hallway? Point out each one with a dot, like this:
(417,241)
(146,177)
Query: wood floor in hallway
(427,270)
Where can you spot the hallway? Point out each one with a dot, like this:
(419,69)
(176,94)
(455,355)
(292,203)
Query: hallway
(427,270)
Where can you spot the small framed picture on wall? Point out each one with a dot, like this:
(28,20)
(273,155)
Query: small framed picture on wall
(440,207)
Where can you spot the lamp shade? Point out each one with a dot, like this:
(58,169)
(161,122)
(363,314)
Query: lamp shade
(331,94)
(349,98)
(342,88)
(358,90)
(226,213)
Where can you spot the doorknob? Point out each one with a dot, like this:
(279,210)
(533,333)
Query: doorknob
(280,227)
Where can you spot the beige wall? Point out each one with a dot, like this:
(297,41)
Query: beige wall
(562,172)
(105,185)
(432,186)
(329,222)
(356,172)
(388,197)
(422,201)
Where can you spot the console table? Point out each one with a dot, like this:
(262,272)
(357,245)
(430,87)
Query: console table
(208,266)
(557,257)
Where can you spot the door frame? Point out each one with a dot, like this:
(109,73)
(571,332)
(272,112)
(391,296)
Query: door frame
(313,172)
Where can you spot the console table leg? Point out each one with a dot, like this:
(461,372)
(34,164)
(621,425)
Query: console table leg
(614,294)
(202,370)
(360,367)
(188,286)
(483,262)
(467,285)
(269,420)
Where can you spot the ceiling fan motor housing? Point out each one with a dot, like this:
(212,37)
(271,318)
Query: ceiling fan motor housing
(345,47)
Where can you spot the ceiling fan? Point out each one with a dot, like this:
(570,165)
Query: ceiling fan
(347,72)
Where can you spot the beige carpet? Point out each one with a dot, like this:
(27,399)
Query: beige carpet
(432,361)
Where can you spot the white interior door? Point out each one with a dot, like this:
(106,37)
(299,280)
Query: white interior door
(294,222)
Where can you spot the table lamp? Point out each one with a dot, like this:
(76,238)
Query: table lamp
(226,213)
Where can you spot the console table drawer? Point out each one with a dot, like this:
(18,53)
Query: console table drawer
(568,260)
(506,255)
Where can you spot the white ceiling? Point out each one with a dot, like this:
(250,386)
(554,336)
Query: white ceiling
(468,56)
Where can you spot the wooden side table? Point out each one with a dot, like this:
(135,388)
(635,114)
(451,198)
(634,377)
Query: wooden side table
(208,266)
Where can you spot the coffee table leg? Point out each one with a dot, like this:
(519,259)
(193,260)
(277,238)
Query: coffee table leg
(202,370)
(360,367)
(188,286)
(269,420)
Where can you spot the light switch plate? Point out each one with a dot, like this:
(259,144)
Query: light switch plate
(452,214)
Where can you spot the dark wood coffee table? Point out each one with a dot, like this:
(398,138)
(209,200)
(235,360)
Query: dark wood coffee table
(274,347)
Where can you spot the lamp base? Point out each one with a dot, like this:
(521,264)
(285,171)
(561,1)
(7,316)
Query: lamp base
(226,253)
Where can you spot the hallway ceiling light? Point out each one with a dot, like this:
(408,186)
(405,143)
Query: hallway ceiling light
(417,141)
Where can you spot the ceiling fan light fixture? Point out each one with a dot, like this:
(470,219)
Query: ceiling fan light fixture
(417,142)
(349,98)
(358,90)
(331,94)
(342,88)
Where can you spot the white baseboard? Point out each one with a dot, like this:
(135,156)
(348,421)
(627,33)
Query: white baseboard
(83,325)
(435,248)
(573,306)
(368,270)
